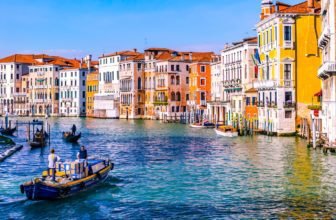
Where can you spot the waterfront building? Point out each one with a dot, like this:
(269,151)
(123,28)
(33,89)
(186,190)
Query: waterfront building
(21,99)
(154,98)
(239,72)
(327,72)
(92,84)
(12,68)
(200,82)
(216,107)
(132,93)
(44,82)
(172,84)
(72,88)
(106,104)
(289,55)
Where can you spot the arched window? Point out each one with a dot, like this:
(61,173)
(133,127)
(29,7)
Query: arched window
(178,96)
(177,80)
(139,83)
(173,96)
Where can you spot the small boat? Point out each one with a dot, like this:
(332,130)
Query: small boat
(38,140)
(204,125)
(67,182)
(226,131)
(196,125)
(69,137)
(8,131)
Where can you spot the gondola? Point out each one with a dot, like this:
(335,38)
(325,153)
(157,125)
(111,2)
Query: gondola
(69,137)
(8,131)
(38,140)
(67,184)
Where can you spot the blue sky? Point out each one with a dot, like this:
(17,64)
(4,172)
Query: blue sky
(74,28)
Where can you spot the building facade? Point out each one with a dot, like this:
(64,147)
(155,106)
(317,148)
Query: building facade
(287,41)
(327,72)
(92,85)
(106,103)
(132,93)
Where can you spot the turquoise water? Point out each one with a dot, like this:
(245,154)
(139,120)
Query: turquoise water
(171,171)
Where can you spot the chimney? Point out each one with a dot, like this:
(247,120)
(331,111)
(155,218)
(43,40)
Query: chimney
(135,50)
(310,3)
(190,56)
(266,8)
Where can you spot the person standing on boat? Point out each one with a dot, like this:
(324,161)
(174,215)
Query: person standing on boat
(82,153)
(52,159)
(73,129)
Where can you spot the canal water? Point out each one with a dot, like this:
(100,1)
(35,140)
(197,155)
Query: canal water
(171,171)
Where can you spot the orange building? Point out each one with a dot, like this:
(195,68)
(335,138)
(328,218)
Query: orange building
(92,85)
(200,81)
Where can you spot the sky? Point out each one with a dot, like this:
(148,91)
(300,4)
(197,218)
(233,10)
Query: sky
(75,28)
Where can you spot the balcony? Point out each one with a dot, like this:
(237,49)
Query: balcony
(289,104)
(161,101)
(314,107)
(271,105)
(203,103)
(288,44)
(265,84)
(260,104)
(327,69)
(324,38)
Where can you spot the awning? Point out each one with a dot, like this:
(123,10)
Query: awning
(319,94)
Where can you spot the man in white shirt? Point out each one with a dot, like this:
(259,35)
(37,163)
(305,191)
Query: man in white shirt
(52,159)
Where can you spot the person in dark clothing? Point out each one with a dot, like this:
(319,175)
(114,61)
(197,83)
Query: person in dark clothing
(82,154)
(73,129)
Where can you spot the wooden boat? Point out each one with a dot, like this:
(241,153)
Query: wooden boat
(69,137)
(226,131)
(8,131)
(38,140)
(44,189)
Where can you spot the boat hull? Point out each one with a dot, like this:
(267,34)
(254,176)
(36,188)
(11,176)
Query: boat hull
(71,138)
(8,131)
(226,134)
(42,191)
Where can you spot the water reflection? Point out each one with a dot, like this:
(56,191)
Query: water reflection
(173,171)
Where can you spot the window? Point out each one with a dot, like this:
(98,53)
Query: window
(187,80)
(287,70)
(202,69)
(83,83)
(177,67)
(173,108)
(17,76)
(172,68)
(187,97)
(83,94)
(187,67)
(288,97)
(288,33)
(288,114)
(202,81)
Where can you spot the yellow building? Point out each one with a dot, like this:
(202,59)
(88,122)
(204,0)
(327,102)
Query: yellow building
(289,59)
(92,85)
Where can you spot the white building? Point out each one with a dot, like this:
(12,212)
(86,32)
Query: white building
(72,100)
(11,70)
(239,73)
(327,71)
(106,102)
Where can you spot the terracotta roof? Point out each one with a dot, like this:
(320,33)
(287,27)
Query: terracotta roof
(301,7)
(19,58)
(140,56)
(251,40)
(121,53)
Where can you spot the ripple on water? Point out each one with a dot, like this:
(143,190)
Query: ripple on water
(172,171)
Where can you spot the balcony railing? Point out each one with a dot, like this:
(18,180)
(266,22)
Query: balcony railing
(260,104)
(327,69)
(288,44)
(314,107)
(161,101)
(289,104)
(203,102)
(271,105)
(265,84)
